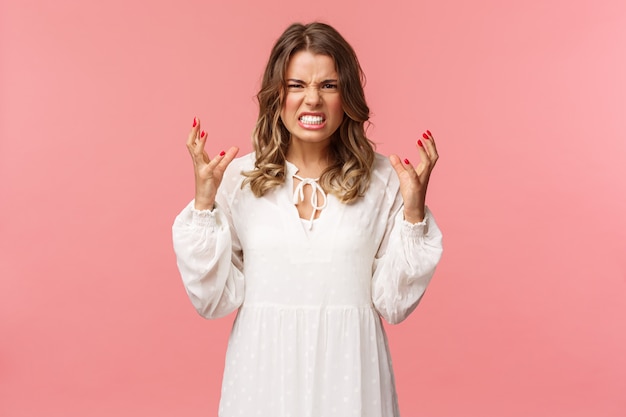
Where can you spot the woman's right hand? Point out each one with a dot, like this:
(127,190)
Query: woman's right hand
(208,172)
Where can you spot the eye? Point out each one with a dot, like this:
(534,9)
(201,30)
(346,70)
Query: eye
(329,86)
(294,86)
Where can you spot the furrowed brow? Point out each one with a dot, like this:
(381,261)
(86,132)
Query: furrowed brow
(295,80)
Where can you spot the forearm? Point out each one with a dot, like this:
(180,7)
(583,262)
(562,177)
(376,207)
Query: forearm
(204,253)
(402,274)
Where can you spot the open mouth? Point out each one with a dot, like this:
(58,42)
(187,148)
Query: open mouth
(310,120)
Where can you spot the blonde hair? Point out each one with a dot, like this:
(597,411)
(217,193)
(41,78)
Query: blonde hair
(351,153)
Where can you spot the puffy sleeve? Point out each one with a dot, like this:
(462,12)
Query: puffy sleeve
(209,258)
(405,263)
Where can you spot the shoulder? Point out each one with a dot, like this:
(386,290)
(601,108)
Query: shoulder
(243,163)
(233,178)
(383,173)
(384,184)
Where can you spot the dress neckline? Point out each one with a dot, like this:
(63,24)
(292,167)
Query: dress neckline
(298,193)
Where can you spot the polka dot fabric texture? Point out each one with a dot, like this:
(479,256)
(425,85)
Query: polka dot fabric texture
(308,339)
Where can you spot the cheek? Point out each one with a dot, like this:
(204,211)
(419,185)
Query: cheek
(335,106)
(290,105)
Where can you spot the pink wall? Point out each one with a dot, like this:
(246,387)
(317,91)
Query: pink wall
(527,313)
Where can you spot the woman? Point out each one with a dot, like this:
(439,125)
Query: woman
(313,237)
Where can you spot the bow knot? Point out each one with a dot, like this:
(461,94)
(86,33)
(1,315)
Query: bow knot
(298,195)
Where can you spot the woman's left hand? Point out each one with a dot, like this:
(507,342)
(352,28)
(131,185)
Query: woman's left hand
(414,181)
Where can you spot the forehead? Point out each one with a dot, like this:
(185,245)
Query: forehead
(305,65)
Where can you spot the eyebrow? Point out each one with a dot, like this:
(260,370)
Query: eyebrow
(302,82)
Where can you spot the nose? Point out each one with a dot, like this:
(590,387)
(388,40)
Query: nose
(313,96)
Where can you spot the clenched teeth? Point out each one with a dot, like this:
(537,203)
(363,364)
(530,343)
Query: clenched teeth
(312,120)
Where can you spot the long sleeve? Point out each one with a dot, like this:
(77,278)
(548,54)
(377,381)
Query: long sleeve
(405,263)
(209,258)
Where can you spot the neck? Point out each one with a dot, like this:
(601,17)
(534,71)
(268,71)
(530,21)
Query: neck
(310,158)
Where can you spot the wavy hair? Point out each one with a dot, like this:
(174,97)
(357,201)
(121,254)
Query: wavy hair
(351,153)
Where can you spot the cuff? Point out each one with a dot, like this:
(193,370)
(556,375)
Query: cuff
(204,218)
(415,230)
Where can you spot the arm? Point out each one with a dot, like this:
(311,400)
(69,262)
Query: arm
(404,265)
(209,259)
(207,250)
(412,243)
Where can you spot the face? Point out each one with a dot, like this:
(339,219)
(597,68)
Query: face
(312,110)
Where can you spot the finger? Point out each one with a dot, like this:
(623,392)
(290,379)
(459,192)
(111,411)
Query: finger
(199,154)
(423,169)
(397,164)
(403,168)
(193,134)
(431,147)
(227,157)
(221,161)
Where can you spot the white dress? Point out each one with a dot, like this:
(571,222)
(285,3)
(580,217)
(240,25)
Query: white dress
(307,340)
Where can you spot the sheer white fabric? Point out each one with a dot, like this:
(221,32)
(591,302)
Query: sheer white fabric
(307,340)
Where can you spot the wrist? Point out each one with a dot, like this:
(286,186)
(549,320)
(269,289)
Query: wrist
(414,216)
(202,204)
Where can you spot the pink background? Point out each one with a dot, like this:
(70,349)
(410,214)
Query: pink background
(527,100)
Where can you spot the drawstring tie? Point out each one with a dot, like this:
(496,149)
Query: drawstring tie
(298,195)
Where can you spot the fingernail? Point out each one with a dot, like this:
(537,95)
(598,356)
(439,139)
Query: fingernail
(425,136)
(419,142)
(406,161)
(194,122)
(202,134)
(429,134)
(222,153)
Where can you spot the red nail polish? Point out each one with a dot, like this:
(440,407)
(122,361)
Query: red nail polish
(202,134)
(194,122)
(222,153)
(406,161)
(425,136)
(419,142)
(429,134)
